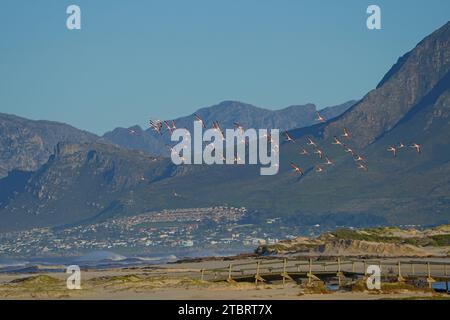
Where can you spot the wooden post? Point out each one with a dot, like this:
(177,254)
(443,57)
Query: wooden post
(310,272)
(339,271)
(203,274)
(400,278)
(230,268)
(429,279)
(310,265)
(413,272)
(284,271)
(353,266)
(257,275)
(365,268)
(298,267)
(324,266)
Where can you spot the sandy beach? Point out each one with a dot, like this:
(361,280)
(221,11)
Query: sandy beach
(184,281)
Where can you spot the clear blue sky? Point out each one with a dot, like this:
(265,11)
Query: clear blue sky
(138,59)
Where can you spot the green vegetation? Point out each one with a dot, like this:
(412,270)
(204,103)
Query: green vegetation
(40,280)
(382,235)
(441,240)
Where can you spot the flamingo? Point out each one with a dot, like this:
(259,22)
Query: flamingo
(238,126)
(304,152)
(417,147)
(350,150)
(362,167)
(296,168)
(393,150)
(311,143)
(268,136)
(319,117)
(168,127)
(359,158)
(328,161)
(346,133)
(216,127)
(319,169)
(319,152)
(288,137)
(198,118)
(337,141)
(156,125)
(401,145)
(132,131)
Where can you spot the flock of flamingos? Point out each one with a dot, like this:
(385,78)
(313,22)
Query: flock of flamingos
(360,161)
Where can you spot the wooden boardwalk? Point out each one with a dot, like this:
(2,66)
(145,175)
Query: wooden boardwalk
(338,271)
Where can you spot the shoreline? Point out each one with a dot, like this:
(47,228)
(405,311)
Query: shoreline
(184,280)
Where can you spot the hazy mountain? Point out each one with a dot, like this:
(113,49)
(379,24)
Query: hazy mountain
(79,182)
(27,144)
(226,113)
(411,105)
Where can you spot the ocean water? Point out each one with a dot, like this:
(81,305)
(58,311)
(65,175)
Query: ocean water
(105,259)
(439,286)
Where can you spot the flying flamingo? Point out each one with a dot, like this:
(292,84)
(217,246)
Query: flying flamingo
(304,152)
(362,167)
(168,127)
(319,117)
(268,136)
(288,137)
(199,119)
(393,150)
(156,125)
(417,147)
(319,152)
(319,169)
(346,133)
(239,126)
(337,141)
(216,126)
(296,168)
(311,143)
(328,161)
(359,158)
(350,150)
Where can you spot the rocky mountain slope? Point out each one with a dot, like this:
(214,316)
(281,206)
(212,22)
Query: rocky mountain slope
(27,144)
(414,76)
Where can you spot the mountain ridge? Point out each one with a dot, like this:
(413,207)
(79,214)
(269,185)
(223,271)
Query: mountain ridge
(226,113)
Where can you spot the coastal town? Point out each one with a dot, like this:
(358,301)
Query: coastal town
(200,228)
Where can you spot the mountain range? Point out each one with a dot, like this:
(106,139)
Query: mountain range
(97,178)
(226,113)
